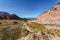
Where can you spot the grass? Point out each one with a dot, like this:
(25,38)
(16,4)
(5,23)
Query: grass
(7,33)
(53,32)
(36,27)
(20,31)
(41,27)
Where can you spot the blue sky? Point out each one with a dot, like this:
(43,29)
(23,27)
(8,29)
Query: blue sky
(26,8)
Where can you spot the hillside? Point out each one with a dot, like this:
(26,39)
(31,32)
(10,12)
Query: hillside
(8,16)
(51,15)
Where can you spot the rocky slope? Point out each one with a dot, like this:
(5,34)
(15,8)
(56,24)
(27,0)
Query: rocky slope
(52,14)
(39,36)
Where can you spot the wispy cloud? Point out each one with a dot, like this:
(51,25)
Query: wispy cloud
(58,0)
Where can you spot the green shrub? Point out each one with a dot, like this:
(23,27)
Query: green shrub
(36,26)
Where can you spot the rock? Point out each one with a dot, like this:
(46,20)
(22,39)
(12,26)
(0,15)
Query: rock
(52,14)
(39,36)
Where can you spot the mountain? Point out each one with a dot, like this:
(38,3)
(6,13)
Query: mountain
(8,16)
(52,14)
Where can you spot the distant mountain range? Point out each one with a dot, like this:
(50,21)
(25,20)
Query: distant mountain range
(8,16)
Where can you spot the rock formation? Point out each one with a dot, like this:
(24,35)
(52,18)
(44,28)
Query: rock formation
(52,14)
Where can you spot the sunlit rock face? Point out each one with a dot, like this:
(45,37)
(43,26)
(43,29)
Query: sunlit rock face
(52,14)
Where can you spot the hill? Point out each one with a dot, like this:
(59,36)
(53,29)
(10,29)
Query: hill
(8,16)
(52,14)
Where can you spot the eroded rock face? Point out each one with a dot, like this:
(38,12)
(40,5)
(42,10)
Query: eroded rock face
(52,14)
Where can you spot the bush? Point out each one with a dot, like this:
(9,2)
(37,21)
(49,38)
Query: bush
(15,22)
(0,22)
